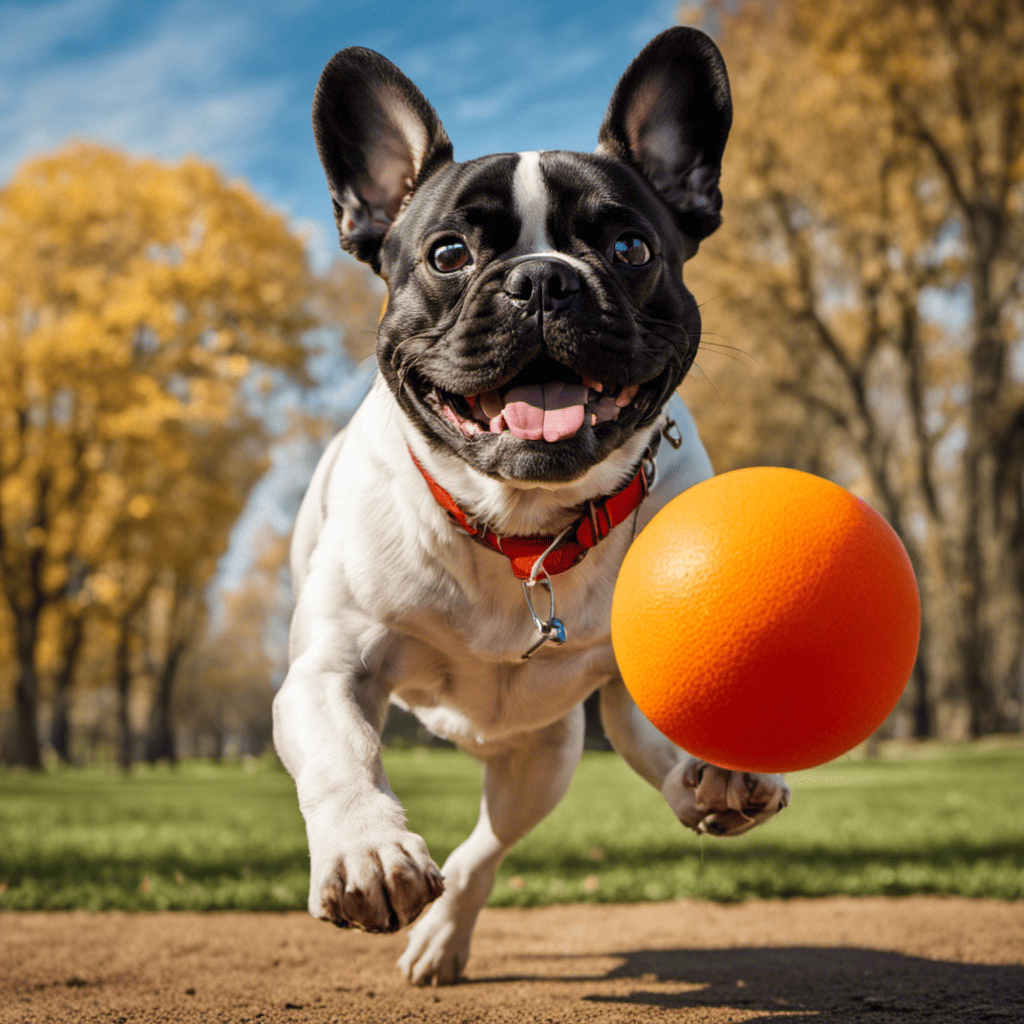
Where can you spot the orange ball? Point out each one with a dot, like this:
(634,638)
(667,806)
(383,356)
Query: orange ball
(766,620)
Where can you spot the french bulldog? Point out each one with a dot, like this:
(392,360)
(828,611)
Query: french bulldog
(458,546)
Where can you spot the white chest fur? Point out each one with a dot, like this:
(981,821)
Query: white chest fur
(440,622)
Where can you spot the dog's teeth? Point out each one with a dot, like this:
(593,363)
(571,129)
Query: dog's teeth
(594,385)
(477,410)
(491,404)
(626,395)
(593,419)
(605,409)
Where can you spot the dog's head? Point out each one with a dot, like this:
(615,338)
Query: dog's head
(537,316)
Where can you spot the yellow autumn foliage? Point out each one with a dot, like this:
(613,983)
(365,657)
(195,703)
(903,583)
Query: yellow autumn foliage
(138,302)
(862,302)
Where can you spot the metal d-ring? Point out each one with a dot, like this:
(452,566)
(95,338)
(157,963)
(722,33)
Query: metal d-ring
(552,629)
(540,623)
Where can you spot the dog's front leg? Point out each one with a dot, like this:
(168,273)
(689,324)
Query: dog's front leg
(524,778)
(704,797)
(366,868)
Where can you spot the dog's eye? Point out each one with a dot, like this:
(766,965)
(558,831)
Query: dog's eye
(449,255)
(632,249)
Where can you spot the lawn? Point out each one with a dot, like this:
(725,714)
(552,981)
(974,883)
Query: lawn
(207,837)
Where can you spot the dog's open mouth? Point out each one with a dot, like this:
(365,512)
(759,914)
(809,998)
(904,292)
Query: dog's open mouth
(545,401)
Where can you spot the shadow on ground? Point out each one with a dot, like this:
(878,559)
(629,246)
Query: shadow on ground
(802,984)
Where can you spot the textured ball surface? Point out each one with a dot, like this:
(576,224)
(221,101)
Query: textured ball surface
(766,620)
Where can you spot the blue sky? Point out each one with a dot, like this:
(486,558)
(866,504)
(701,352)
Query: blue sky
(233,82)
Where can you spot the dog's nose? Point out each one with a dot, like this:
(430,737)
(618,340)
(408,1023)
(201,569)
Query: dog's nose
(542,284)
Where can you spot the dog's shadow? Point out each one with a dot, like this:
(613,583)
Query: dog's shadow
(802,983)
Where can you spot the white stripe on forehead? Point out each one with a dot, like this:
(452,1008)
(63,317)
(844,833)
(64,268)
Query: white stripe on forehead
(530,197)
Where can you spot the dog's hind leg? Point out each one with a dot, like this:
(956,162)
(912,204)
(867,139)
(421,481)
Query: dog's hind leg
(702,796)
(524,779)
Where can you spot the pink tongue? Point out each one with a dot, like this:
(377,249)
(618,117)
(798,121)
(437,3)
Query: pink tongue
(551,411)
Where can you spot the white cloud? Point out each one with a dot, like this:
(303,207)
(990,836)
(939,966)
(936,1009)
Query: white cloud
(171,93)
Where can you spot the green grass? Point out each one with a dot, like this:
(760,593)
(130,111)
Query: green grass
(201,837)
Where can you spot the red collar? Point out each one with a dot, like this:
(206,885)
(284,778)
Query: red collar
(598,519)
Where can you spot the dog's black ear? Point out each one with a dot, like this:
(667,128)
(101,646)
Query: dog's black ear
(669,116)
(378,138)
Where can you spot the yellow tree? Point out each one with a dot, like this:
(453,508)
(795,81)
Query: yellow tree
(152,575)
(142,307)
(872,264)
(228,685)
(348,301)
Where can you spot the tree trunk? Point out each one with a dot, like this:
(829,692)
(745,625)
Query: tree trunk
(1010,455)
(60,724)
(972,645)
(987,369)
(123,682)
(923,717)
(160,745)
(26,698)
(160,741)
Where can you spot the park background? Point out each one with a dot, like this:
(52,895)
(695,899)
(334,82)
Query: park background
(179,338)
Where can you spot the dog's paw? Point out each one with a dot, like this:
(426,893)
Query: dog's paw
(720,802)
(438,947)
(379,886)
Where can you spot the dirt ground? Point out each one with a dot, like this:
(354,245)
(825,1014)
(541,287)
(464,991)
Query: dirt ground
(843,960)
